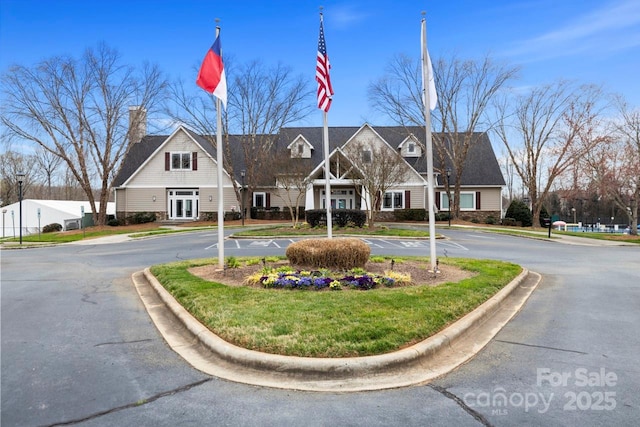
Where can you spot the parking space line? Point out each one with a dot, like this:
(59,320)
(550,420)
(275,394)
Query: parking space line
(369,242)
(392,244)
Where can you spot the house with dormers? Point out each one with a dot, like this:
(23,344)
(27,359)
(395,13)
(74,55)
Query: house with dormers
(175,175)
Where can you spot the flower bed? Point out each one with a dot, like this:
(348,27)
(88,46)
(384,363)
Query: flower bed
(287,278)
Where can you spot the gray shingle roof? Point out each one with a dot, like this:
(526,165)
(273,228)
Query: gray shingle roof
(481,167)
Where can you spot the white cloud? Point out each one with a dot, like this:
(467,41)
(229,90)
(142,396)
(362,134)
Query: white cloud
(615,26)
(344,16)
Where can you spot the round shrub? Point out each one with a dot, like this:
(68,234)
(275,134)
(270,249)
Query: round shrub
(519,211)
(50,228)
(341,254)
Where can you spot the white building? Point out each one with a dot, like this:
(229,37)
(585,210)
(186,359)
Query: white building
(38,213)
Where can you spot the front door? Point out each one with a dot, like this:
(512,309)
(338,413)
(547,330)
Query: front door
(183,204)
(340,199)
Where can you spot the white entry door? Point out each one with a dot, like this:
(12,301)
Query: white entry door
(183,204)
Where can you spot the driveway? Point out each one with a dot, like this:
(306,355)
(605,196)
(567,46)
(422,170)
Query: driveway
(78,348)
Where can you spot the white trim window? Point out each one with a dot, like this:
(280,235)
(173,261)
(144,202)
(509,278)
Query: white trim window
(181,161)
(259,199)
(393,200)
(467,201)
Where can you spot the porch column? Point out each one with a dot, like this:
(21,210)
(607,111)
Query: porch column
(365,200)
(308,200)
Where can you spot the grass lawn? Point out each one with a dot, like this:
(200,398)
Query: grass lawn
(617,237)
(332,323)
(287,230)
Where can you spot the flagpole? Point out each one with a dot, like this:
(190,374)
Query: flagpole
(327,172)
(219,159)
(429,154)
(325,92)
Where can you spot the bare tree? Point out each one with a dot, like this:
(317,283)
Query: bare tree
(614,164)
(261,100)
(464,88)
(77,109)
(544,132)
(292,178)
(12,163)
(627,196)
(47,165)
(378,168)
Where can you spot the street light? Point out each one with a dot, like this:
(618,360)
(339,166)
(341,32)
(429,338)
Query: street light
(242,174)
(449,196)
(574,214)
(20,176)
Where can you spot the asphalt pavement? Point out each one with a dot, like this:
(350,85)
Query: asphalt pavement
(79,348)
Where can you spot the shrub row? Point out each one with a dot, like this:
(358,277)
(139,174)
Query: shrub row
(136,218)
(275,213)
(339,217)
(341,254)
(410,214)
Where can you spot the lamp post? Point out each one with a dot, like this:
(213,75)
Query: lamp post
(449,196)
(574,214)
(4,211)
(242,174)
(20,176)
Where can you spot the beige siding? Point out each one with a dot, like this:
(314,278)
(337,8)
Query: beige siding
(121,199)
(418,199)
(490,199)
(152,173)
(280,198)
(141,200)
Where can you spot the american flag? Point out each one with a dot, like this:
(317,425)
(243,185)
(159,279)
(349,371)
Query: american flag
(325,91)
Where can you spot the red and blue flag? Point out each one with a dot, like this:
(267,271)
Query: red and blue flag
(212,77)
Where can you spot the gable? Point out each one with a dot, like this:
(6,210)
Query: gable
(300,148)
(163,167)
(410,147)
(370,141)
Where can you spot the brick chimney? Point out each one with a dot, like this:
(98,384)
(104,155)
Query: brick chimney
(137,123)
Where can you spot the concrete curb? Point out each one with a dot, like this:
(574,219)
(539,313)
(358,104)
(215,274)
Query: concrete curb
(417,364)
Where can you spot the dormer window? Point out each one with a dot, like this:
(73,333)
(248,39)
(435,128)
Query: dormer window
(300,148)
(411,147)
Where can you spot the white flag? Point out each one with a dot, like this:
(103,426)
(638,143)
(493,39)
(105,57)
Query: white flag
(428,70)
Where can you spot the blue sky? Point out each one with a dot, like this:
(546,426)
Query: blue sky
(583,40)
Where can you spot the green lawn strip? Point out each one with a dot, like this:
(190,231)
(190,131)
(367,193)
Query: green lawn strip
(520,233)
(322,231)
(603,236)
(332,323)
(65,237)
(162,231)
(543,233)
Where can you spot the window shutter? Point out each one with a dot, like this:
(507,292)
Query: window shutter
(438,200)
(407,199)
(167,161)
(477,200)
(194,161)
(268,201)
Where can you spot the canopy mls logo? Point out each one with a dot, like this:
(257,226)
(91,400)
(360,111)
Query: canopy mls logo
(581,377)
(590,393)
